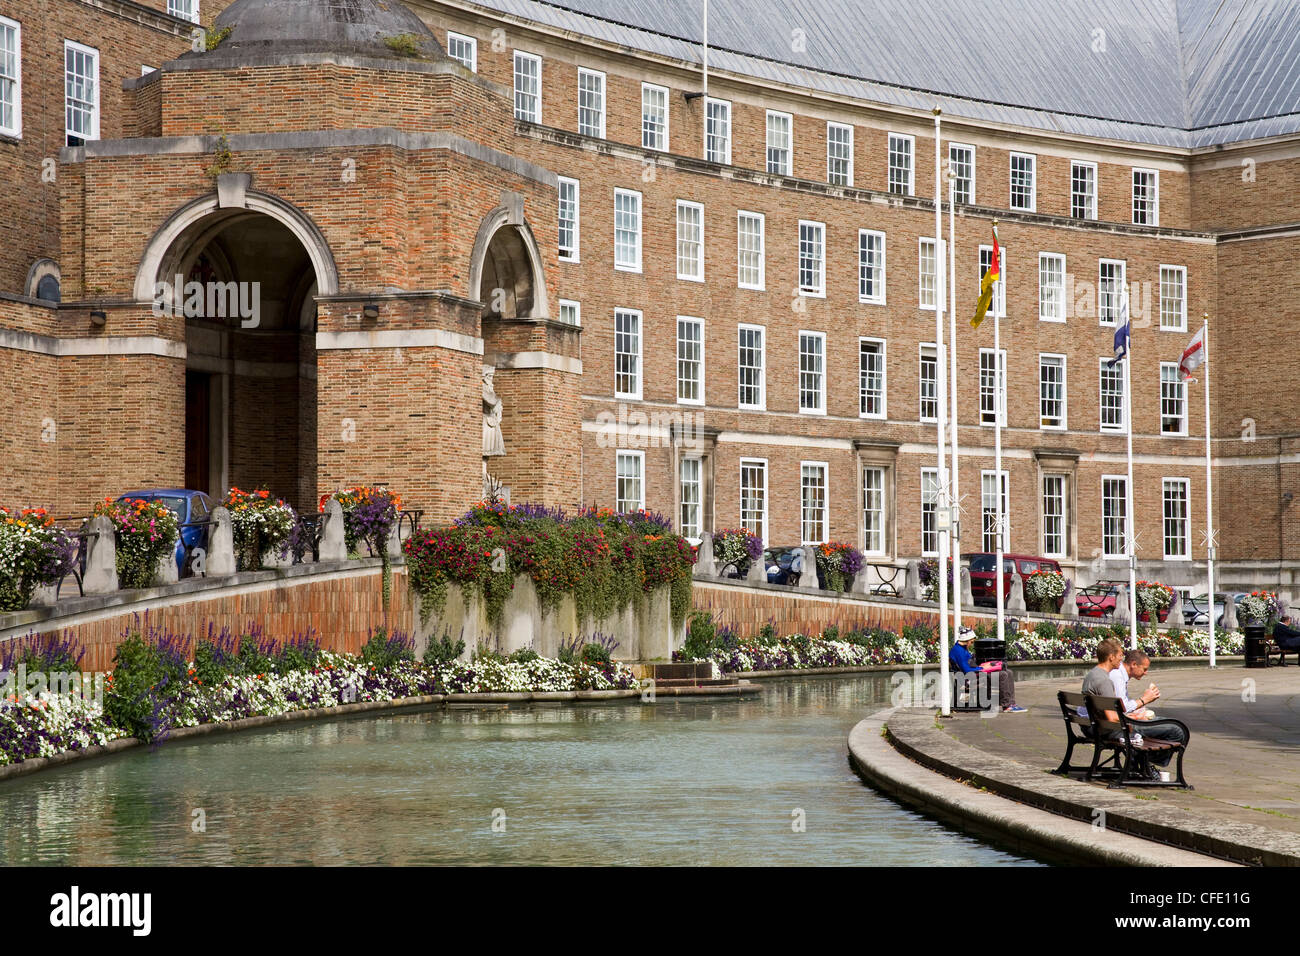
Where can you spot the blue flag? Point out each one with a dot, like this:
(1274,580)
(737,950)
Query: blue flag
(1121,333)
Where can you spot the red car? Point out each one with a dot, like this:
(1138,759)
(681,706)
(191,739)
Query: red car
(981,573)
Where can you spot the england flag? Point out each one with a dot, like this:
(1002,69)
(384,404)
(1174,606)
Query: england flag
(1193,355)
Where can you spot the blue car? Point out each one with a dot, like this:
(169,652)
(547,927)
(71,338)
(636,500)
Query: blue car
(191,509)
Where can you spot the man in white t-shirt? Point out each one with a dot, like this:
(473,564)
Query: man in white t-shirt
(1135,665)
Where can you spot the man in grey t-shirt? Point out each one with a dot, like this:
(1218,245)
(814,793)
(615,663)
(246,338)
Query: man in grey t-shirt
(1097,680)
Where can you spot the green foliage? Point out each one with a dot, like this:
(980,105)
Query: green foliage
(701,636)
(523,656)
(767,633)
(223,160)
(444,650)
(212,37)
(1048,630)
(593,653)
(382,651)
(485,653)
(403,44)
(140,676)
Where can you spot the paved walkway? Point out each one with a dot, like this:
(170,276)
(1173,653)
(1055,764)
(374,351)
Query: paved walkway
(1242,759)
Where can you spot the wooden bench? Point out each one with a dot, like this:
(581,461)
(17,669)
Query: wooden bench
(1116,755)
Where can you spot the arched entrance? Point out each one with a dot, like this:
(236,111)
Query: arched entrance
(506,268)
(245,280)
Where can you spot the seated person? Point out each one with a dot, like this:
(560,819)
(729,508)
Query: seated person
(1286,635)
(1134,666)
(961,660)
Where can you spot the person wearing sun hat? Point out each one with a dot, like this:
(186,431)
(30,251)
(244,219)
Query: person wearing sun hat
(961,659)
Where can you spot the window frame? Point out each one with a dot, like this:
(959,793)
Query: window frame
(779,115)
(883,511)
(637,455)
(577,310)
(710,101)
(883,353)
(1063,364)
(933,474)
(933,349)
(759,465)
(640,228)
(698,524)
(194,14)
(1122,480)
(1033,181)
(1181,271)
(604,101)
(576,254)
(1005,488)
(761,405)
(820,407)
(515,75)
(1002,359)
(848,179)
(1155,197)
(16,130)
(921,273)
(762,250)
(952,190)
(1120,282)
(1181,385)
(1059,258)
(1092,210)
(472,42)
(824,468)
(699,384)
(647,87)
(910,140)
(879,299)
(698,208)
(639,355)
(70,46)
(820,291)
(1186,531)
(1063,517)
(1104,371)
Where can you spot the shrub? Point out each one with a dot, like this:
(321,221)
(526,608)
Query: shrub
(383,650)
(146,533)
(595,653)
(523,656)
(701,634)
(148,678)
(444,650)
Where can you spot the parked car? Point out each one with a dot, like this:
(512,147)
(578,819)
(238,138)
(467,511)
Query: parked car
(1195,613)
(981,573)
(191,509)
(777,561)
(1099,600)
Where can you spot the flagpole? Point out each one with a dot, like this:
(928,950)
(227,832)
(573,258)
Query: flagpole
(954,523)
(1129,516)
(941,489)
(1209,493)
(999,403)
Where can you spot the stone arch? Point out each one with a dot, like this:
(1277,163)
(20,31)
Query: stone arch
(188,228)
(506,257)
(44,279)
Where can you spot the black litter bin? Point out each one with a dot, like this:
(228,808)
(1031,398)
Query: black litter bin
(989,650)
(1256,638)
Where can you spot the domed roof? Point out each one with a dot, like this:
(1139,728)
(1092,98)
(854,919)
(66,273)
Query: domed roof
(371,28)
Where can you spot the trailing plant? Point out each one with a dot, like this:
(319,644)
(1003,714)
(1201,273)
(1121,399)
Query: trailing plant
(33,552)
(146,533)
(258,524)
(1043,590)
(838,563)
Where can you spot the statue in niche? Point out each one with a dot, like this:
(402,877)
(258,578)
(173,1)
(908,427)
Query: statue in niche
(494,444)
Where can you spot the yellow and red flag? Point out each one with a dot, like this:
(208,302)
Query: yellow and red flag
(986,284)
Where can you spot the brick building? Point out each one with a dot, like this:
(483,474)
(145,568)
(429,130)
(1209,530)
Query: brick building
(719,306)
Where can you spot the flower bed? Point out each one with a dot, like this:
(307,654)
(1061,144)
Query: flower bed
(605,560)
(158,684)
(33,552)
(146,533)
(918,644)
